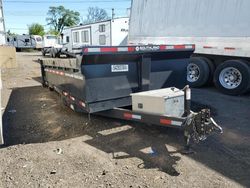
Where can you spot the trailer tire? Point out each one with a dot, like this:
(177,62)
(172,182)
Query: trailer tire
(232,77)
(197,72)
(52,53)
(57,54)
(43,52)
(211,70)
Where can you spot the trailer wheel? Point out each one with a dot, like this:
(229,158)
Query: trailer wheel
(211,70)
(43,52)
(197,72)
(232,77)
(52,53)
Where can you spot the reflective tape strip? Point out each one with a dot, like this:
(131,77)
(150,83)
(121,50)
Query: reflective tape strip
(136,116)
(189,46)
(178,123)
(165,121)
(92,50)
(170,122)
(127,115)
(229,48)
(79,77)
(108,49)
(179,47)
(215,47)
(65,93)
(131,116)
(122,49)
(169,47)
(132,48)
(72,98)
(208,47)
(82,104)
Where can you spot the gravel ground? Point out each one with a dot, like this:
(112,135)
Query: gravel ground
(48,145)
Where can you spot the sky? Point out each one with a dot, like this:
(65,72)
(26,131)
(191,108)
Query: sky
(21,13)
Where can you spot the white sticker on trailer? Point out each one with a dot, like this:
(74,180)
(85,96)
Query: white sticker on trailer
(119,68)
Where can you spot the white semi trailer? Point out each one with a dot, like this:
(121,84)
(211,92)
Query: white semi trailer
(220,30)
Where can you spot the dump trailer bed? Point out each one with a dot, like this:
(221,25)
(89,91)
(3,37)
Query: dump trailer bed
(102,80)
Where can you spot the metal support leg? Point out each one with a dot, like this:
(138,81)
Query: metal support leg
(187,91)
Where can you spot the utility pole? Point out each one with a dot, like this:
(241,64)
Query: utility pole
(113,13)
(2,25)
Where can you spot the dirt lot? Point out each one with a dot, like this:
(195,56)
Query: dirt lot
(48,145)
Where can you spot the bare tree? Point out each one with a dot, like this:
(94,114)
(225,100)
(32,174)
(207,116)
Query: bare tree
(96,14)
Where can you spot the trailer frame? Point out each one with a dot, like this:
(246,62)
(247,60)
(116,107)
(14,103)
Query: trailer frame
(196,126)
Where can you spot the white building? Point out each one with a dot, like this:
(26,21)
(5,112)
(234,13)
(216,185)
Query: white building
(112,32)
(2,26)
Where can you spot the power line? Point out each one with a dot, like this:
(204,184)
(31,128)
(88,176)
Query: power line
(9,28)
(63,2)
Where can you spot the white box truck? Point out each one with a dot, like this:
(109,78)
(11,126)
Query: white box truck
(111,32)
(220,30)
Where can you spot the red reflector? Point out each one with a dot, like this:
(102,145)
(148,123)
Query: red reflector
(228,48)
(179,46)
(207,47)
(85,50)
(162,47)
(108,49)
(165,121)
(131,49)
(127,115)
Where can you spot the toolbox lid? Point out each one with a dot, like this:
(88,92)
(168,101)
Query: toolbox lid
(163,93)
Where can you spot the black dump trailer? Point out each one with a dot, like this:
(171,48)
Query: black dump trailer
(101,80)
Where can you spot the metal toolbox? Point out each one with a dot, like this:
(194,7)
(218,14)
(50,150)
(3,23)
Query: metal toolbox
(169,101)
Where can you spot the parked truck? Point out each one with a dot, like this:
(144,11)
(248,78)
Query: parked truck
(219,29)
(111,32)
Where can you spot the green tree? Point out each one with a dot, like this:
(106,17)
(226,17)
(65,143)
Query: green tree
(59,17)
(96,14)
(36,29)
(53,32)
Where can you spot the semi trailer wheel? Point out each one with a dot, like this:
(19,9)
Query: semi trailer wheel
(232,77)
(211,70)
(197,72)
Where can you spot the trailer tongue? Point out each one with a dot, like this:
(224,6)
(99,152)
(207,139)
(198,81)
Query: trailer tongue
(102,79)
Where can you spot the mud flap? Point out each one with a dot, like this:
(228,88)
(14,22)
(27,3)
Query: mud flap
(1,122)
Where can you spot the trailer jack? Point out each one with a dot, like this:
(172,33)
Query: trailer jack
(197,127)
